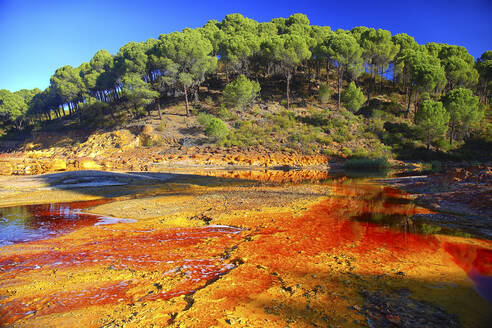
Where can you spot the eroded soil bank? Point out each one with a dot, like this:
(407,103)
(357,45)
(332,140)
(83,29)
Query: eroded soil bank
(280,249)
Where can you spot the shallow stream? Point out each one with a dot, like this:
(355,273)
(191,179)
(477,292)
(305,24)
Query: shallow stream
(359,217)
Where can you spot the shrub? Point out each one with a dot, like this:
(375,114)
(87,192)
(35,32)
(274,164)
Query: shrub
(146,141)
(241,92)
(353,97)
(429,229)
(208,101)
(204,119)
(214,127)
(324,93)
(285,119)
(162,126)
(217,129)
(329,152)
(224,113)
(366,163)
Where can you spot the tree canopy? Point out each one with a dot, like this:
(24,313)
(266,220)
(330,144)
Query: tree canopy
(432,120)
(285,53)
(241,92)
(463,110)
(345,53)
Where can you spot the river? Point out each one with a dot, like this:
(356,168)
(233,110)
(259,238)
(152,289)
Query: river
(356,238)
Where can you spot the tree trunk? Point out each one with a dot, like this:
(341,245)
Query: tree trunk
(159,108)
(327,71)
(409,102)
(288,89)
(415,102)
(451,134)
(485,92)
(197,100)
(381,80)
(371,83)
(339,82)
(186,101)
(394,74)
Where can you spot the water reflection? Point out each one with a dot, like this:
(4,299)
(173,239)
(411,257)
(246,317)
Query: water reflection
(34,222)
(364,221)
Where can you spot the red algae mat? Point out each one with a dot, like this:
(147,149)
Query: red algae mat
(303,266)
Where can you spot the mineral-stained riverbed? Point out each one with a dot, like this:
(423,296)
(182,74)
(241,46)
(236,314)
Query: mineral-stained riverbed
(291,249)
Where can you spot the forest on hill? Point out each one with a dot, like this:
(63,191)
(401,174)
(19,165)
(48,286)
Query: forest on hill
(285,85)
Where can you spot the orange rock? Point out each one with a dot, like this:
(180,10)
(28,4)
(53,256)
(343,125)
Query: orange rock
(6,168)
(58,164)
(87,164)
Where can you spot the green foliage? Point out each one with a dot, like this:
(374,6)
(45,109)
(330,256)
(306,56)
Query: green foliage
(185,60)
(342,49)
(241,92)
(424,71)
(237,42)
(68,84)
(376,164)
(214,127)
(324,93)
(464,112)
(378,48)
(131,59)
(459,66)
(217,129)
(12,105)
(284,120)
(225,114)
(429,228)
(204,119)
(162,126)
(353,97)
(432,121)
(286,52)
(137,92)
(304,55)
(484,67)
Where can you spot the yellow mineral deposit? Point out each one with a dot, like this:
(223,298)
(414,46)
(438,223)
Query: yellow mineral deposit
(280,260)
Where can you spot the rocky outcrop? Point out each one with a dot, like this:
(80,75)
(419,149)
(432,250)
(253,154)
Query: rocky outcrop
(144,151)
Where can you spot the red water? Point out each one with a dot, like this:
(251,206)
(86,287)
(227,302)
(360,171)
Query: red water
(173,252)
(193,257)
(34,222)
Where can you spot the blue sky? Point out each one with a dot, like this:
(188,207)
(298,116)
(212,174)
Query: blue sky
(37,37)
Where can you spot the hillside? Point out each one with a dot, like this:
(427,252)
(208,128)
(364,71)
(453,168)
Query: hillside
(300,93)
